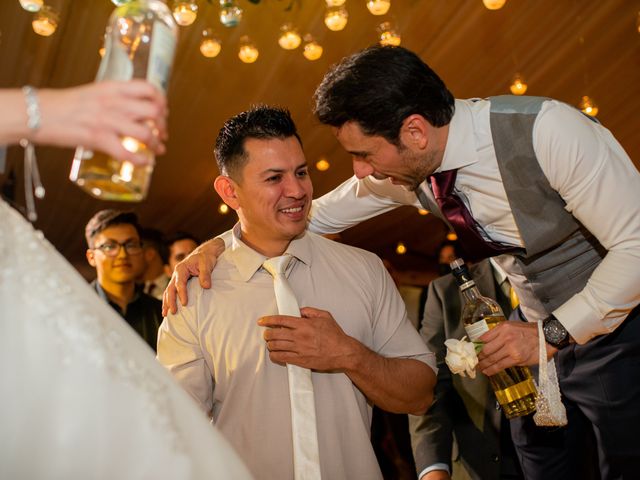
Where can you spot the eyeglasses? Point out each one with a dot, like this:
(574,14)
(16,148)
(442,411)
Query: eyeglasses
(111,249)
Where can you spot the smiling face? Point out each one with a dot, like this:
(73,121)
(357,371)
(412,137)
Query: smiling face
(272,195)
(123,268)
(408,164)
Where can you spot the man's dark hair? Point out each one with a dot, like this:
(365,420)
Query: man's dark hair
(153,238)
(108,218)
(261,122)
(378,88)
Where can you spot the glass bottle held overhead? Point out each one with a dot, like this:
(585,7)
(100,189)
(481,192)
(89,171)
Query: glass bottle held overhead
(140,42)
(513,387)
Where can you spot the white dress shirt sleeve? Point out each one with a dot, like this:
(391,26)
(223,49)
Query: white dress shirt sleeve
(355,201)
(435,466)
(601,187)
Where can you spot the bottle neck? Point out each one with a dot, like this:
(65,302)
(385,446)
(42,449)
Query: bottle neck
(470,291)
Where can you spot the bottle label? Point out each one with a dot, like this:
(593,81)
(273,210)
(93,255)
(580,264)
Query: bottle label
(476,330)
(163,45)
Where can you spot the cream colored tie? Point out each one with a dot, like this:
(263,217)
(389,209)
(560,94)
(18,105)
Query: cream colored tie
(306,457)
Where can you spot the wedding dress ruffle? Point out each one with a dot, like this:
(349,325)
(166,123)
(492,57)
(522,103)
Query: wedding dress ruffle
(82,396)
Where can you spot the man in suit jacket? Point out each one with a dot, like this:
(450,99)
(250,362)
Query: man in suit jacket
(464,413)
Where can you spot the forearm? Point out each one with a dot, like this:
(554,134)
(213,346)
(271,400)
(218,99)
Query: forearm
(13,123)
(398,385)
(352,202)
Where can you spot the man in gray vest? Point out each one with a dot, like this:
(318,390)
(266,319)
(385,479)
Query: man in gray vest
(529,179)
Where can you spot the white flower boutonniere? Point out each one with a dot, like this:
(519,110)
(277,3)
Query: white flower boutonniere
(461,357)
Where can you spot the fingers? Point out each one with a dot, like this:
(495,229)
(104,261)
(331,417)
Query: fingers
(279,321)
(310,312)
(205,267)
(169,297)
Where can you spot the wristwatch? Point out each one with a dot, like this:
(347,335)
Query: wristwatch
(554,332)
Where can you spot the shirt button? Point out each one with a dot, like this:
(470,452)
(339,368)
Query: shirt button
(495,458)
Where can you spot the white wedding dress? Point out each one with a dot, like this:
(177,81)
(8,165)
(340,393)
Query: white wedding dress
(81,395)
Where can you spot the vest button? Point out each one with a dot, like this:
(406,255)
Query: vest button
(495,458)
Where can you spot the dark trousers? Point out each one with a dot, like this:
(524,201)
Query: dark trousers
(600,386)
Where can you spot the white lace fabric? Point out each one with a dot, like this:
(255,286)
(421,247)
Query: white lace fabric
(550,411)
(81,395)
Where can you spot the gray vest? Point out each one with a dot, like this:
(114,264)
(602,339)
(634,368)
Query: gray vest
(559,253)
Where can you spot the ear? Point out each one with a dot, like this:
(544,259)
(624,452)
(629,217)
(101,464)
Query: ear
(414,131)
(226,188)
(90,257)
(167,271)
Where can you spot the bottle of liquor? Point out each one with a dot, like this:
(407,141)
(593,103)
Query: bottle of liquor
(513,387)
(140,42)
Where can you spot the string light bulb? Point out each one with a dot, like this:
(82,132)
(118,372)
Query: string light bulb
(335,3)
(401,248)
(336,18)
(638,23)
(388,34)
(312,50)
(185,13)
(588,106)
(518,86)
(289,37)
(423,211)
(45,21)
(248,52)
(223,208)
(494,4)
(379,7)
(230,13)
(210,45)
(452,237)
(31,5)
(323,165)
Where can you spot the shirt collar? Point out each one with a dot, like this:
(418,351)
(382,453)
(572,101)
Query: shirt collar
(248,261)
(461,148)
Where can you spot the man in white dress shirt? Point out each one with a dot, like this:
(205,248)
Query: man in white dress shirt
(229,350)
(541,183)
(533,179)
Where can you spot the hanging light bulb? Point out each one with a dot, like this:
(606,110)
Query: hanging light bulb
(423,211)
(312,49)
(336,18)
(588,106)
(388,35)
(210,45)
(379,7)
(289,37)
(230,13)
(494,4)
(638,22)
(223,208)
(323,165)
(335,3)
(31,5)
(185,13)
(451,236)
(248,52)
(401,248)
(518,87)
(45,21)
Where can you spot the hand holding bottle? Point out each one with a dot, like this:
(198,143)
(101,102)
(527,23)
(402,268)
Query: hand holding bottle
(98,116)
(510,344)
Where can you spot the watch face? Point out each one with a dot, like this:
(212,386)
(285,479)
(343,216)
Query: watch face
(554,332)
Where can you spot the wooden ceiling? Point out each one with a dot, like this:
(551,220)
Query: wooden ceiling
(563,48)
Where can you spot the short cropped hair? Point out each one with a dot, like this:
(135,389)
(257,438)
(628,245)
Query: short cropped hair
(378,88)
(108,218)
(260,122)
(153,238)
(180,235)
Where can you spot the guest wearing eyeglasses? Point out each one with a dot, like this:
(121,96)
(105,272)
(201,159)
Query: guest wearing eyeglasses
(115,251)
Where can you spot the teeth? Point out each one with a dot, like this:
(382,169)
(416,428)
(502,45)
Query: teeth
(291,210)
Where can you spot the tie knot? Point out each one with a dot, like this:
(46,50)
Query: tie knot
(277,265)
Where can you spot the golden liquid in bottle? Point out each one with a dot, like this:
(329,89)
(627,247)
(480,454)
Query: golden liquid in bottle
(513,387)
(106,178)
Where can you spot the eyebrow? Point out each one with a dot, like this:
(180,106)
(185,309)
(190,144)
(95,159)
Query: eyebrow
(113,240)
(282,170)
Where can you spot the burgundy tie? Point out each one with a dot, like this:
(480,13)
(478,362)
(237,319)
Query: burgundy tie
(473,244)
